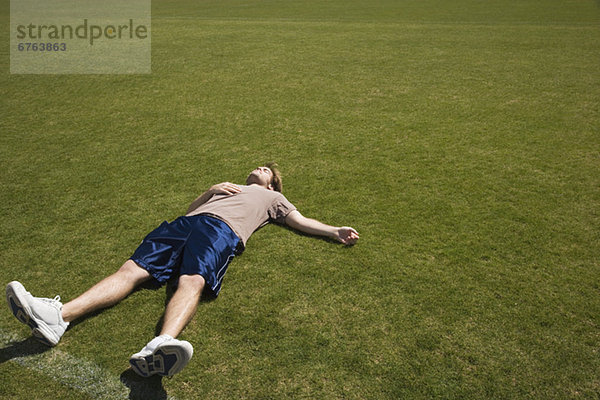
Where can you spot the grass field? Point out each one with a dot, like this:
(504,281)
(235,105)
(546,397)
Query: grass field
(460,138)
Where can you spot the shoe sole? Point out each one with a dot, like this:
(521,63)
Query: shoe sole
(16,298)
(166,360)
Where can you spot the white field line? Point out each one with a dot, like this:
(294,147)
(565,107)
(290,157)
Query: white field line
(82,375)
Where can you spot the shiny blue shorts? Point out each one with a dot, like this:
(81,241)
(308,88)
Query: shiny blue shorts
(199,244)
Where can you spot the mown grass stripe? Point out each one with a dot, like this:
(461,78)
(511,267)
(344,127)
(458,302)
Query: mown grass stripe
(77,373)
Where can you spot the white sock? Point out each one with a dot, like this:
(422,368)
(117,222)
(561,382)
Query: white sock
(158,340)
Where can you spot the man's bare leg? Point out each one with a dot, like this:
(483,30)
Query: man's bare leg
(183,304)
(165,355)
(107,292)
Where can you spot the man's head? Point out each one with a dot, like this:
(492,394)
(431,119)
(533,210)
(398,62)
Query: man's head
(267,176)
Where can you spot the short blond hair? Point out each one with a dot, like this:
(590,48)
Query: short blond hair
(276,180)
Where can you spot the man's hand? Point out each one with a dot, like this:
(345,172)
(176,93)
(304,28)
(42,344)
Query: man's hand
(225,188)
(347,235)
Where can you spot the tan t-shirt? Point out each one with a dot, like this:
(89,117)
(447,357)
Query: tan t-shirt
(248,210)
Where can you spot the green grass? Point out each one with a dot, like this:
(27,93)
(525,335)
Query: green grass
(459,138)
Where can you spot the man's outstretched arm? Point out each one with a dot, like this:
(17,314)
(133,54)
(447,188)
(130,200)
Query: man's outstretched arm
(343,234)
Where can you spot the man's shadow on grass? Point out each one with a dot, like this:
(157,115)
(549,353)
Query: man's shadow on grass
(23,348)
(143,388)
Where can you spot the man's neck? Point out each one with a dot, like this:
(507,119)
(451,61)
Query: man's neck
(257,185)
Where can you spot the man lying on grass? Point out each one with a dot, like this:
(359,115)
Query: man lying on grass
(193,251)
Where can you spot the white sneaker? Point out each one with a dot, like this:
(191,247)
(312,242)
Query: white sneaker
(42,315)
(163,355)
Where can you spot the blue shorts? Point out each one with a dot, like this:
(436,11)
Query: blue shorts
(199,244)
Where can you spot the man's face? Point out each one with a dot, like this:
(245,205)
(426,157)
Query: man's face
(261,176)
